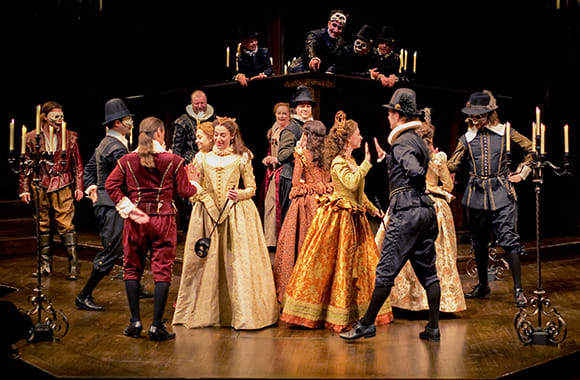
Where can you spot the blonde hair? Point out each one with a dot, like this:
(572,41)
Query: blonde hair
(207,128)
(147,130)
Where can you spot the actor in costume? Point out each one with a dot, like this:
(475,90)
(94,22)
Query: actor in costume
(412,229)
(142,186)
(302,103)
(321,46)
(490,196)
(233,286)
(385,68)
(311,180)
(407,293)
(113,146)
(254,62)
(204,137)
(331,284)
(357,59)
(61,183)
(269,200)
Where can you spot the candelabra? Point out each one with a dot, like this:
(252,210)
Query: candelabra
(555,329)
(55,325)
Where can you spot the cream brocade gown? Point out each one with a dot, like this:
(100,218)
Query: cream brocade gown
(407,293)
(234,285)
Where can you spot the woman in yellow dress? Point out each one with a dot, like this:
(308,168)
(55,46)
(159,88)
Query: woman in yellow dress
(333,279)
(407,293)
(233,285)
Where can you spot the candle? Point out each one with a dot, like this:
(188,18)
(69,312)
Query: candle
(23,149)
(38,119)
(507,136)
(228,56)
(534,137)
(401,59)
(566,142)
(543,139)
(285,69)
(538,120)
(405,65)
(50,134)
(63,136)
(415,63)
(12,135)
(131,137)
(237,55)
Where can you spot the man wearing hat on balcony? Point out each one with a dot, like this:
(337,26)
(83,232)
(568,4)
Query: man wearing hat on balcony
(254,62)
(357,58)
(489,196)
(412,227)
(113,146)
(321,46)
(386,64)
(302,103)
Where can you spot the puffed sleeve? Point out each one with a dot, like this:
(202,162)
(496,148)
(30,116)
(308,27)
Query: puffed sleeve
(350,179)
(456,160)
(247,174)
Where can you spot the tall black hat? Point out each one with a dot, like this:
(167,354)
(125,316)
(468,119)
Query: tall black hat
(480,103)
(404,101)
(386,34)
(302,94)
(115,109)
(366,33)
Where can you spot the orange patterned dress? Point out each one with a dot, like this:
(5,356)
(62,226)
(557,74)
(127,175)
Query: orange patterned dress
(407,293)
(334,277)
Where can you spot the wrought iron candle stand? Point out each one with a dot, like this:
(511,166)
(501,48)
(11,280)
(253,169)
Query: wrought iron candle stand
(555,329)
(55,326)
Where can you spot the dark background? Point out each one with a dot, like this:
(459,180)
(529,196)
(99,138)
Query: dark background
(154,53)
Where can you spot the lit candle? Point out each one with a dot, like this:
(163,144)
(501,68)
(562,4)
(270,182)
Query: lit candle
(38,119)
(401,59)
(131,137)
(228,56)
(237,55)
(50,134)
(543,139)
(405,65)
(566,142)
(415,63)
(507,136)
(534,137)
(12,135)
(23,149)
(538,120)
(285,69)
(63,136)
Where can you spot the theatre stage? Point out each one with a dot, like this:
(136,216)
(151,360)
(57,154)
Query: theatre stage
(478,343)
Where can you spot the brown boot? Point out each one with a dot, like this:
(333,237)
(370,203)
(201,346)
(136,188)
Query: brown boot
(69,239)
(45,255)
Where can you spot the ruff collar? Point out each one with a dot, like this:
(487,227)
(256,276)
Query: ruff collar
(200,116)
(402,128)
(498,129)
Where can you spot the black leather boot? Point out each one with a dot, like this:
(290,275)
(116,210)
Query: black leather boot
(45,255)
(69,239)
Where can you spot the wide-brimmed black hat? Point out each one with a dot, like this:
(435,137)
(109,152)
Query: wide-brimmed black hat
(115,109)
(480,103)
(245,33)
(366,33)
(404,101)
(386,34)
(302,94)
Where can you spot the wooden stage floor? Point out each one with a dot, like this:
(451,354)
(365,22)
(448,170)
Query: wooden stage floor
(479,343)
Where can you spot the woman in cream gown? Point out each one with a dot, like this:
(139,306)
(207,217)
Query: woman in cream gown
(334,276)
(407,293)
(233,285)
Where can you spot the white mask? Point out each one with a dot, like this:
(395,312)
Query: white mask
(55,117)
(128,123)
(360,46)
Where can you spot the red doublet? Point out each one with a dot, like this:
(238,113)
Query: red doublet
(152,191)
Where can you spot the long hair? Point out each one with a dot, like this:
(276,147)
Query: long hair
(336,140)
(426,131)
(315,131)
(147,130)
(238,145)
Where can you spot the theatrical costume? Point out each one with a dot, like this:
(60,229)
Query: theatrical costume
(308,183)
(332,281)
(318,43)
(185,127)
(252,63)
(58,182)
(490,197)
(356,59)
(407,293)
(233,286)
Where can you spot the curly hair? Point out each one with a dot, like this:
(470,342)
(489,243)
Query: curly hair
(238,143)
(426,131)
(336,141)
(315,131)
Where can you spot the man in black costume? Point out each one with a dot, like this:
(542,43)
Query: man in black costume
(412,228)
(357,59)
(254,62)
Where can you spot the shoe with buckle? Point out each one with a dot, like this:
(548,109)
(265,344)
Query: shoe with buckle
(520,298)
(86,303)
(160,333)
(358,331)
(479,291)
(134,329)
(431,333)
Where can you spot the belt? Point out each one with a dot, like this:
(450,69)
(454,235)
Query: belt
(400,190)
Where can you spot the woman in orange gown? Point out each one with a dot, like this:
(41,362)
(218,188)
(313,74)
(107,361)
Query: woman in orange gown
(333,279)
